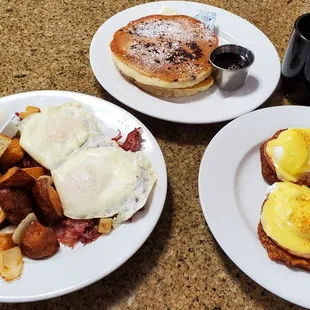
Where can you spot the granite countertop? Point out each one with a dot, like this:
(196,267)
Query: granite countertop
(44,45)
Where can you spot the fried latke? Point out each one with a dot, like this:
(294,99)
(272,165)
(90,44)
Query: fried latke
(276,253)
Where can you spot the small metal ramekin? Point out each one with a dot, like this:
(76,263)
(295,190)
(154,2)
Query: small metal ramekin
(231,80)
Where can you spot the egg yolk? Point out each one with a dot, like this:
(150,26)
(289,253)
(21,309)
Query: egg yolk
(289,153)
(286,217)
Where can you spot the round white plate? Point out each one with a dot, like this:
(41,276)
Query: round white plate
(72,269)
(232,191)
(207,107)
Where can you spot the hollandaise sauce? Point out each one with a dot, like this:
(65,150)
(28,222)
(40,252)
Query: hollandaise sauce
(286,217)
(290,153)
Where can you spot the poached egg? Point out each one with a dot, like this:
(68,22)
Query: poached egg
(286,217)
(290,154)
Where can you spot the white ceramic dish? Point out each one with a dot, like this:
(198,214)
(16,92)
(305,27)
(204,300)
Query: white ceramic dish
(70,270)
(207,107)
(232,191)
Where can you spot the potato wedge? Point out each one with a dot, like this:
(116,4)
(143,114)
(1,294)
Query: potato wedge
(21,228)
(39,241)
(105,226)
(2,216)
(16,204)
(50,180)
(5,141)
(16,177)
(35,172)
(12,155)
(11,264)
(32,109)
(29,111)
(48,201)
(6,242)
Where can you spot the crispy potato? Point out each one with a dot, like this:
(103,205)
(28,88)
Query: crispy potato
(2,216)
(12,155)
(6,242)
(11,264)
(105,226)
(29,111)
(5,141)
(16,204)
(50,180)
(39,241)
(48,201)
(35,172)
(16,177)
(20,229)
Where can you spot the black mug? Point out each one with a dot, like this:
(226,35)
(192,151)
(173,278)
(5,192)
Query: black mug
(295,78)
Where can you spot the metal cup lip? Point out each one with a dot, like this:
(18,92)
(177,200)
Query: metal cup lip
(297,28)
(232,46)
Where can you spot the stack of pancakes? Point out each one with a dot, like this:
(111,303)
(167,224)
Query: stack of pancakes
(166,56)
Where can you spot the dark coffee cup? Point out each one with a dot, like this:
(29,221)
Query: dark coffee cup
(295,78)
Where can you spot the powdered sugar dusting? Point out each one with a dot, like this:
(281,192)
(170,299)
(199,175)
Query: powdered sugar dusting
(172,30)
(168,44)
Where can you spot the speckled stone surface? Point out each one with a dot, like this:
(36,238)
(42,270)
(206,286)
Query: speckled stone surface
(44,45)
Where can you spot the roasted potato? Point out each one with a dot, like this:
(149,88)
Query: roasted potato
(16,204)
(35,172)
(48,201)
(39,241)
(29,110)
(2,216)
(5,141)
(16,177)
(6,242)
(12,155)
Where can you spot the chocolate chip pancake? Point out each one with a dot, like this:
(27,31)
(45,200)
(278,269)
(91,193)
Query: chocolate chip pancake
(164,51)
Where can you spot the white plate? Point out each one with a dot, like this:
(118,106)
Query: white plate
(70,270)
(207,107)
(232,191)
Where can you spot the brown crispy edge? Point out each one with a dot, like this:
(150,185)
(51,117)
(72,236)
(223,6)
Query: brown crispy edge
(267,167)
(276,253)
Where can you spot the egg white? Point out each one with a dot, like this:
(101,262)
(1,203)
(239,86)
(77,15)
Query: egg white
(104,182)
(50,136)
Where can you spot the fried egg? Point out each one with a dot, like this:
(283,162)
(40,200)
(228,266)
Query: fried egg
(50,136)
(286,217)
(290,154)
(104,182)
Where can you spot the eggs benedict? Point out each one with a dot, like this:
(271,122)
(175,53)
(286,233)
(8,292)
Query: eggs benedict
(284,228)
(286,156)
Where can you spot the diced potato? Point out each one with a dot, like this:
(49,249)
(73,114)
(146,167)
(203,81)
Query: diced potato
(29,111)
(2,216)
(5,141)
(6,242)
(16,177)
(35,172)
(32,109)
(12,155)
(105,226)
(50,180)
(48,201)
